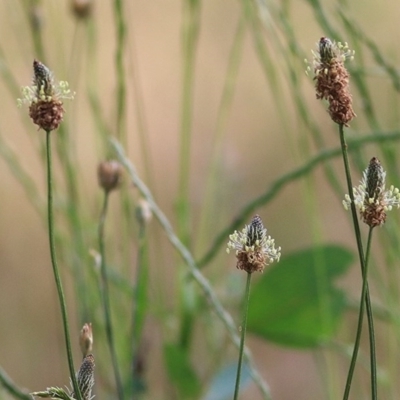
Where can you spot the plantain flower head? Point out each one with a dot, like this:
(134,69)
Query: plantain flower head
(371,198)
(254,248)
(332,79)
(44,98)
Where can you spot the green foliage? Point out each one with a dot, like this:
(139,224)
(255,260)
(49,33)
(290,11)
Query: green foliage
(295,302)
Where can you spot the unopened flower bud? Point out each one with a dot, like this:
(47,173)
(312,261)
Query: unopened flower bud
(82,8)
(86,339)
(109,174)
(143,211)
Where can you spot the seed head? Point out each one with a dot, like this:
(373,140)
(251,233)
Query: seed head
(254,248)
(332,79)
(371,198)
(86,377)
(109,174)
(82,8)
(44,98)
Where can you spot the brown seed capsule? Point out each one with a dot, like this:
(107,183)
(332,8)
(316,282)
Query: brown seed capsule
(82,8)
(109,174)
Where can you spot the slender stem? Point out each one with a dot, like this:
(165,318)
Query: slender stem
(193,270)
(139,304)
(119,64)
(55,267)
(106,299)
(274,189)
(360,322)
(362,263)
(11,387)
(243,335)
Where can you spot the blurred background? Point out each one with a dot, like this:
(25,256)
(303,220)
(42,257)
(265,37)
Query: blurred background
(212,104)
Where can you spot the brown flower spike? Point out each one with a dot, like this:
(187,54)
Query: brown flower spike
(332,79)
(254,248)
(85,377)
(44,98)
(371,198)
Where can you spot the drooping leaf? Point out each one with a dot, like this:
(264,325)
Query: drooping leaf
(295,302)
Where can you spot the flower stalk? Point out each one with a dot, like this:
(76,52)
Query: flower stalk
(254,250)
(57,278)
(109,175)
(242,336)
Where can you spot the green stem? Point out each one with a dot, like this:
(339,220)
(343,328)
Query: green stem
(274,189)
(55,267)
(106,299)
(139,305)
(362,263)
(243,335)
(119,65)
(360,322)
(11,387)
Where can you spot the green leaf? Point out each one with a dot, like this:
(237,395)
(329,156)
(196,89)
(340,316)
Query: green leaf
(295,302)
(181,372)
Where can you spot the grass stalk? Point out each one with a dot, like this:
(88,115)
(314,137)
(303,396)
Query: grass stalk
(243,335)
(11,387)
(55,266)
(119,65)
(192,268)
(106,300)
(359,328)
(362,260)
(283,181)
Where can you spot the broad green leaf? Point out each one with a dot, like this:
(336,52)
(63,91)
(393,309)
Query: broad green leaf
(180,372)
(295,302)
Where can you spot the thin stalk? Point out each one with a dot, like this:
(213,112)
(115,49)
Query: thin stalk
(274,189)
(360,322)
(208,292)
(120,70)
(55,267)
(139,306)
(190,34)
(243,335)
(362,261)
(106,299)
(11,387)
